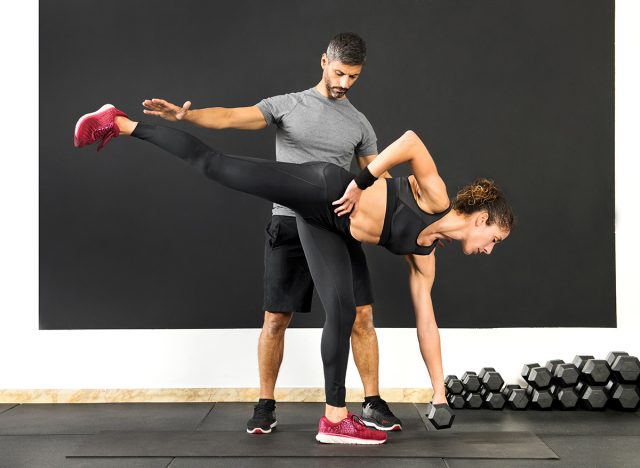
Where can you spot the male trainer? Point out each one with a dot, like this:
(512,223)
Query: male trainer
(319,124)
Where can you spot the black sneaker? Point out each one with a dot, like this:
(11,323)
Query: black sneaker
(376,414)
(264,418)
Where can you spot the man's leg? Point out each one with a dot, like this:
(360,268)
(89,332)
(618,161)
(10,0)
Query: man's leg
(364,343)
(271,350)
(288,287)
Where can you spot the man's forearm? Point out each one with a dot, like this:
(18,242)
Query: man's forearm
(216,118)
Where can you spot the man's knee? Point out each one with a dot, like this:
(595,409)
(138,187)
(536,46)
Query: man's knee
(364,319)
(275,323)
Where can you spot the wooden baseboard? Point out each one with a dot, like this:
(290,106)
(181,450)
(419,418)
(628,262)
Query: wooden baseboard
(183,395)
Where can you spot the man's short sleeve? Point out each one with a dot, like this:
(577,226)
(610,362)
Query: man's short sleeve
(369,143)
(276,107)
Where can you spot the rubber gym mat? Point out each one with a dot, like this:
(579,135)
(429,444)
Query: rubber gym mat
(297,462)
(90,418)
(303,444)
(556,422)
(295,416)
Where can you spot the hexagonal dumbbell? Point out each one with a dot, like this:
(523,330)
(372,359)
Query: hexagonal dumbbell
(623,396)
(564,397)
(456,401)
(540,399)
(536,376)
(491,379)
(472,400)
(625,368)
(440,415)
(596,372)
(566,375)
(471,381)
(453,385)
(580,360)
(592,397)
(492,400)
(516,397)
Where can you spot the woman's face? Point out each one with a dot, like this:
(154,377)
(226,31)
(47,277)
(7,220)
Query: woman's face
(481,237)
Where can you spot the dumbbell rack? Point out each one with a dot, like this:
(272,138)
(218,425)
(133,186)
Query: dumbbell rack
(589,383)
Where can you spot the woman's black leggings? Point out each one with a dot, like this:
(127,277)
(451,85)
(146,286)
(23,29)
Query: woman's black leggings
(308,189)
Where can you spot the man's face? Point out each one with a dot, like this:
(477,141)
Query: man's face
(338,77)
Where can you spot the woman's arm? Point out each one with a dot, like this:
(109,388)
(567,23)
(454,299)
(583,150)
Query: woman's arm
(408,148)
(422,272)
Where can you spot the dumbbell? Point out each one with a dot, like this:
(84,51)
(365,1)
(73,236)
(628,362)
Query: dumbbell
(473,400)
(593,371)
(625,368)
(491,379)
(540,399)
(492,400)
(440,415)
(536,376)
(592,397)
(564,397)
(562,373)
(470,381)
(456,401)
(623,396)
(453,385)
(516,397)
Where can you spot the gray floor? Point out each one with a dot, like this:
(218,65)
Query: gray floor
(49,435)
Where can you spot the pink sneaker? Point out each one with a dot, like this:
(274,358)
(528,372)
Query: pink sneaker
(98,125)
(350,430)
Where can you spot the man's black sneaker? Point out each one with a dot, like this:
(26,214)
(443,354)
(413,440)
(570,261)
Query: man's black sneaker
(264,417)
(376,414)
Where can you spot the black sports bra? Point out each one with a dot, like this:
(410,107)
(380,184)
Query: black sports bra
(404,220)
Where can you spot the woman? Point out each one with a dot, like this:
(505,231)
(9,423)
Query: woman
(406,215)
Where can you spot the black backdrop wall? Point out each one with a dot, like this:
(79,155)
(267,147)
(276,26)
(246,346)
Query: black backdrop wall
(520,91)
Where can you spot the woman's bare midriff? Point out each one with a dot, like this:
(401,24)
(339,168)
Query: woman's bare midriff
(366,225)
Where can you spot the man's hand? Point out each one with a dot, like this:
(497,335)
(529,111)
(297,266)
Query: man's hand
(349,201)
(165,110)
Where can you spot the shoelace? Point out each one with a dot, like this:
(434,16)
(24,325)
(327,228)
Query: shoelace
(381,406)
(262,411)
(105,134)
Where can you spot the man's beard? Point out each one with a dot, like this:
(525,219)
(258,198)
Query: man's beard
(331,91)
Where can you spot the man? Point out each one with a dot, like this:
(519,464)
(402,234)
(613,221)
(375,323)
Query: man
(318,124)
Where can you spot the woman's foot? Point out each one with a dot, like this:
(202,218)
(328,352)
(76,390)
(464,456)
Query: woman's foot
(350,430)
(98,126)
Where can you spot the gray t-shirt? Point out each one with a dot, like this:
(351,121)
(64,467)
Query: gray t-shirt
(312,127)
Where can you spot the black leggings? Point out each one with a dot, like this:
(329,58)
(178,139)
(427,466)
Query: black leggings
(308,189)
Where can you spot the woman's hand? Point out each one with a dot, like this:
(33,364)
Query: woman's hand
(349,201)
(165,110)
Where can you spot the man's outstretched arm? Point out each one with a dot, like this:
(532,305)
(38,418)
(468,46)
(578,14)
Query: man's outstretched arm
(241,118)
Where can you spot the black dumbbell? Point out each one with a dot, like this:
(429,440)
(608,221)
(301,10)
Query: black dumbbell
(564,397)
(625,368)
(539,398)
(536,376)
(472,400)
(491,379)
(492,400)
(516,397)
(623,396)
(566,374)
(456,401)
(440,415)
(453,385)
(580,360)
(595,372)
(592,397)
(470,381)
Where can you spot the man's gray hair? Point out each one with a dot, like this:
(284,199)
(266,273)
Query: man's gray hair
(348,48)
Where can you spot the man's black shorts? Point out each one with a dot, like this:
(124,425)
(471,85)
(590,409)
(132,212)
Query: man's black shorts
(288,286)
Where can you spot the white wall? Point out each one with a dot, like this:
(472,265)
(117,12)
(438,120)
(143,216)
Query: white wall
(30,358)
